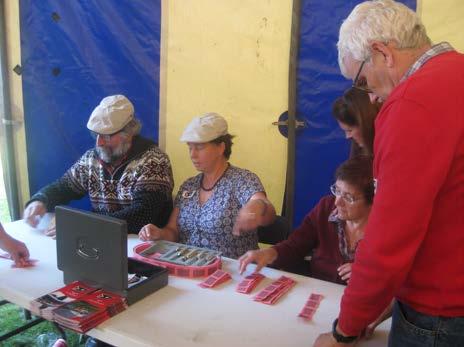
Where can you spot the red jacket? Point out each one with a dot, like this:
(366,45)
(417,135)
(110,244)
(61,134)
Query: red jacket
(315,234)
(413,246)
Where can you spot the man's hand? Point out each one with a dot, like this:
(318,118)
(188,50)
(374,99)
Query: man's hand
(33,212)
(344,272)
(327,340)
(17,250)
(51,229)
(261,257)
(369,331)
(150,232)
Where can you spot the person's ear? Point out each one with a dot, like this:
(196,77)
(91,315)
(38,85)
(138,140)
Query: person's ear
(385,50)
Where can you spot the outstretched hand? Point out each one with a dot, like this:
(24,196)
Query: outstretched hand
(261,257)
(34,212)
(150,232)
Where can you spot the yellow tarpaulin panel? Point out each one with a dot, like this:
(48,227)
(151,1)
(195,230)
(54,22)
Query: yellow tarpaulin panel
(229,57)
(444,21)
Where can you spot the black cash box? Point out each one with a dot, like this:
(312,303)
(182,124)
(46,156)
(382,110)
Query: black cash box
(92,248)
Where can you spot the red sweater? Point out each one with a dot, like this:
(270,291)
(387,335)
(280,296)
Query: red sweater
(413,246)
(315,234)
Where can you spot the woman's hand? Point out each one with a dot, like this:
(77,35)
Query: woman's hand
(251,215)
(150,232)
(344,272)
(261,257)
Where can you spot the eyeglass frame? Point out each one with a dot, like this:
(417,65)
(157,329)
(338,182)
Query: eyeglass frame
(356,80)
(106,138)
(347,197)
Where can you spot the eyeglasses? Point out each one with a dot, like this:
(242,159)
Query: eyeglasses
(105,138)
(345,196)
(361,84)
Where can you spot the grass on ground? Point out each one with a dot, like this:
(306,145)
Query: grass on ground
(12,317)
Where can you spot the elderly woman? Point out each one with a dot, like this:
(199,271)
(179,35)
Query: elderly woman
(332,230)
(356,114)
(221,207)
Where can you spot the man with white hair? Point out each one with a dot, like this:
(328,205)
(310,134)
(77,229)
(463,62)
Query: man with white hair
(413,245)
(126,176)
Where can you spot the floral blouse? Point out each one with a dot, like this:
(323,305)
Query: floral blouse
(210,225)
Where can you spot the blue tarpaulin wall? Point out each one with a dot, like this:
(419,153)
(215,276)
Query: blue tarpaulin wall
(74,53)
(320,147)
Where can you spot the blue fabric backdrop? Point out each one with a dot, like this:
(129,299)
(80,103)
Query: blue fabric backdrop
(74,53)
(320,147)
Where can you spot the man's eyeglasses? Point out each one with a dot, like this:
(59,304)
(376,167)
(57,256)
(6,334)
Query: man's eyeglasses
(345,196)
(361,84)
(105,138)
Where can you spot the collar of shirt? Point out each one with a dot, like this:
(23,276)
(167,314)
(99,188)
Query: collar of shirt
(347,254)
(435,50)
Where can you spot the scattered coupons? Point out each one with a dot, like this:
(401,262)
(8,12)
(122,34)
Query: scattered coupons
(216,278)
(273,292)
(311,306)
(249,283)
(27,263)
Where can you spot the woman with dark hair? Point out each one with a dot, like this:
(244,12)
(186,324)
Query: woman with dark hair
(221,207)
(331,231)
(356,114)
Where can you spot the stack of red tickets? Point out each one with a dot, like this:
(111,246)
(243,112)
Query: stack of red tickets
(218,277)
(249,283)
(273,292)
(89,311)
(311,306)
(45,305)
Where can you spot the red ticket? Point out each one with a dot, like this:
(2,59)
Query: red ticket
(249,283)
(218,277)
(311,306)
(275,290)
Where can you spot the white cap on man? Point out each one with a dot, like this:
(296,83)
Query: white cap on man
(111,115)
(205,128)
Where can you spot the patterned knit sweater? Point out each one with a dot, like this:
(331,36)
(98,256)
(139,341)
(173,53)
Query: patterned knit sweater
(139,190)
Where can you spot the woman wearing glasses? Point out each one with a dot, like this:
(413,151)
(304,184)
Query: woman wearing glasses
(331,231)
(356,114)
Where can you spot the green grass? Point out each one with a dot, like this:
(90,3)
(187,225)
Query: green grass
(4,211)
(11,317)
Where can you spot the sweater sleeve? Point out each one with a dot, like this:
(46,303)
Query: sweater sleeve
(412,158)
(304,238)
(67,188)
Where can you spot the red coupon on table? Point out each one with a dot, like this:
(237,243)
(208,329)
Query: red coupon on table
(311,306)
(216,278)
(273,292)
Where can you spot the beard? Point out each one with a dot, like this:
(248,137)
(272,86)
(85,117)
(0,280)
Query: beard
(109,155)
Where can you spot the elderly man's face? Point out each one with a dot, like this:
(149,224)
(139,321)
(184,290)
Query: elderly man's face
(373,74)
(111,148)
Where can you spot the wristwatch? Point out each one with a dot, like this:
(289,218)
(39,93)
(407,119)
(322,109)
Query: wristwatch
(339,337)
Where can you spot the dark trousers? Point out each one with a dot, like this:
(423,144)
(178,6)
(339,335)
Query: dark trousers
(411,328)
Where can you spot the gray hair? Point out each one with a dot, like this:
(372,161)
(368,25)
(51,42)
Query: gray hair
(133,127)
(379,20)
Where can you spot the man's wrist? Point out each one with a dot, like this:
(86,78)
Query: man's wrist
(339,336)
